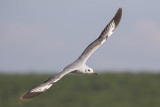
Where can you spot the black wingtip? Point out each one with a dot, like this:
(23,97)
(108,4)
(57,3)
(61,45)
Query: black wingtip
(117,16)
(29,95)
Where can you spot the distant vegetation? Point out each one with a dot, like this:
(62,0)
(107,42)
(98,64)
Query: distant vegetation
(107,90)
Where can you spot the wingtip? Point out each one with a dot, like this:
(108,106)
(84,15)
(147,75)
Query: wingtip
(35,91)
(28,95)
(120,9)
(22,97)
(118,16)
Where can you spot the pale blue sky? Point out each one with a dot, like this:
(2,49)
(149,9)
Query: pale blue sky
(49,34)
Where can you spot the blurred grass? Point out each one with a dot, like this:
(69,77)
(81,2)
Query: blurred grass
(109,89)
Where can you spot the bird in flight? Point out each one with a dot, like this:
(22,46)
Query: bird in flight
(78,65)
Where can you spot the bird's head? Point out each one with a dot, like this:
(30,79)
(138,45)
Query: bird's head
(89,70)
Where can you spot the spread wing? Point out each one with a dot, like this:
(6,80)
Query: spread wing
(44,86)
(108,30)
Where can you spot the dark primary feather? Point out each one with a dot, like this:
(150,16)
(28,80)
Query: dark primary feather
(28,95)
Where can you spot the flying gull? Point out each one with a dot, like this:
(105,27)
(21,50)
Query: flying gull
(78,65)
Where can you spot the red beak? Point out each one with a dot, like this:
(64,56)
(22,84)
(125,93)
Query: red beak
(95,73)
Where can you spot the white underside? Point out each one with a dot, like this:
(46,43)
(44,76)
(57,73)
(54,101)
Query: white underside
(111,28)
(41,88)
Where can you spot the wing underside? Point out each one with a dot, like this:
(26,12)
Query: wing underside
(44,86)
(108,30)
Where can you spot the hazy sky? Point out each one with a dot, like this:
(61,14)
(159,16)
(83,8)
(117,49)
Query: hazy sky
(39,35)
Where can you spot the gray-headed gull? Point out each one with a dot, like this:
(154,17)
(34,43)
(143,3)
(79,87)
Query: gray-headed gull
(78,65)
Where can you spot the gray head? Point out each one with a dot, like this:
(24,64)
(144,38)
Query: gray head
(89,70)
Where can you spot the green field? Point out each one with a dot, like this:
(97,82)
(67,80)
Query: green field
(107,90)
